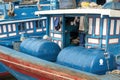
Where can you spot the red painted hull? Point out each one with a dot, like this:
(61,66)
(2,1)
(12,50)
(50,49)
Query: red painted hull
(42,71)
(4,74)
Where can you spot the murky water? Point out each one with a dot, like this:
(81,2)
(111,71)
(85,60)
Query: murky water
(8,77)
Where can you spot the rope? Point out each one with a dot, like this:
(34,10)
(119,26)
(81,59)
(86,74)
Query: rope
(115,72)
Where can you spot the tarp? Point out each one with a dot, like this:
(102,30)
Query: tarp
(112,5)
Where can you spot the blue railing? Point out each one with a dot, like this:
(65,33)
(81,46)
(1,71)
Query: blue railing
(11,31)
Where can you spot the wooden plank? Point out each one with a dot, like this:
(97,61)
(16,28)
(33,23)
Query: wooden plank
(102,12)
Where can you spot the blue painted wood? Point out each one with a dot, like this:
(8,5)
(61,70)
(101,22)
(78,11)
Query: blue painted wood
(17,31)
(34,24)
(48,26)
(108,33)
(17,28)
(45,2)
(2,69)
(63,31)
(18,75)
(101,32)
(64,38)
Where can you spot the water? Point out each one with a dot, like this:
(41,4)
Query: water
(8,77)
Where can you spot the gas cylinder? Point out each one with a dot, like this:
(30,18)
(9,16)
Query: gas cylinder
(43,49)
(89,60)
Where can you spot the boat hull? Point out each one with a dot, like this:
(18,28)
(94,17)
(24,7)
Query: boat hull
(39,69)
(3,71)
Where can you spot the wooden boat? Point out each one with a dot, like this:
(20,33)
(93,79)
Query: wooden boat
(56,57)
(20,21)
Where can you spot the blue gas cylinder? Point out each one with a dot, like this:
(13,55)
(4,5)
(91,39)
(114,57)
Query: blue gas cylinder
(43,49)
(89,60)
